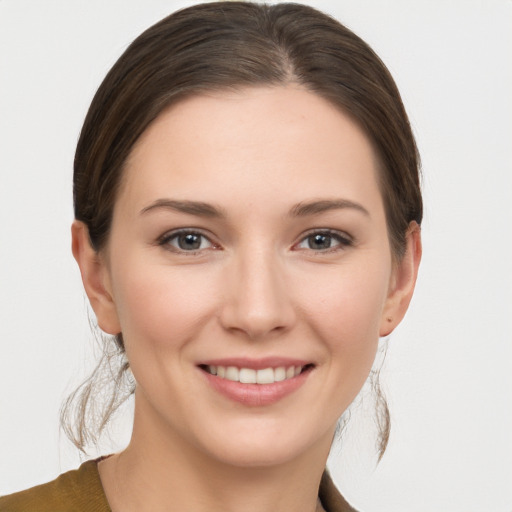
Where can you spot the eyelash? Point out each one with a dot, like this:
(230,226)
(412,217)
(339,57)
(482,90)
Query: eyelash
(165,240)
(343,241)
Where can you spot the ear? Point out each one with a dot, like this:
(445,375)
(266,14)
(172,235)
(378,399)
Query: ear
(95,277)
(403,280)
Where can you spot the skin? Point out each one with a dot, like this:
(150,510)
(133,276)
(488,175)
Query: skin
(256,287)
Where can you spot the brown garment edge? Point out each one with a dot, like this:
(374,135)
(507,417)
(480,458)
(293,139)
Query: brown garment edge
(81,490)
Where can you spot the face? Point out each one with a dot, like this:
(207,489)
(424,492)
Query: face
(249,271)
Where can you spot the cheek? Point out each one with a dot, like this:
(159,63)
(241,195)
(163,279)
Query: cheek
(160,306)
(345,309)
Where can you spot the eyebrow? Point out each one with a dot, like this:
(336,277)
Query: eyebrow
(191,207)
(304,209)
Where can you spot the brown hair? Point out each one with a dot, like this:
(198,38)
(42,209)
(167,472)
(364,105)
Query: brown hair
(222,45)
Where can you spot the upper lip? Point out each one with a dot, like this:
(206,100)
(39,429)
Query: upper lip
(256,364)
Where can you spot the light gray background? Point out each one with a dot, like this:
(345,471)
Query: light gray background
(448,373)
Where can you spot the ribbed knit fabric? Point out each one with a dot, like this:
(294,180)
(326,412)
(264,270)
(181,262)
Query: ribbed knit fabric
(80,490)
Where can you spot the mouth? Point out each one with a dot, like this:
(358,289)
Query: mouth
(256,382)
(243,375)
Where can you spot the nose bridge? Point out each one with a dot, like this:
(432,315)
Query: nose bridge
(257,300)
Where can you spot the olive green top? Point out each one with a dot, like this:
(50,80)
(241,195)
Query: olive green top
(80,490)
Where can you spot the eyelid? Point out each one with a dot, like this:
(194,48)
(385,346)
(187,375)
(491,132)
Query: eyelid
(164,239)
(343,238)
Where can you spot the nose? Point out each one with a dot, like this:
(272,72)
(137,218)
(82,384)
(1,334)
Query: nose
(257,301)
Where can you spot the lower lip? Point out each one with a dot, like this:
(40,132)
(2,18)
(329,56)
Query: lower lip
(256,395)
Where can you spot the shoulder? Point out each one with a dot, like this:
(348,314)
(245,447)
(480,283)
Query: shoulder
(79,490)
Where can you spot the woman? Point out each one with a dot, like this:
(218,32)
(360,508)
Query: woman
(247,213)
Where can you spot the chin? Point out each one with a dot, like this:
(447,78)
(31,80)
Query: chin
(253,458)
(254,448)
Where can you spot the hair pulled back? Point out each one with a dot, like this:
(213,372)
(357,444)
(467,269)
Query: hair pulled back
(230,45)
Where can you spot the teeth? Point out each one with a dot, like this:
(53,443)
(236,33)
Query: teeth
(250,376)
(279,374)
(265,376)
(247,376)
(232,373)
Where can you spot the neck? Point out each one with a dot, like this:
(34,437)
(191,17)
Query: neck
(158,470)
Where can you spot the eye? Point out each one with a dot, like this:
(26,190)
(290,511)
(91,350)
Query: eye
(186,241)
(323,241)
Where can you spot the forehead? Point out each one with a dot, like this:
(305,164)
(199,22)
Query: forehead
(265,140)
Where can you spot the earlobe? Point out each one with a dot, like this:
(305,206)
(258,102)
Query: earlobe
(403,282)
(95,278)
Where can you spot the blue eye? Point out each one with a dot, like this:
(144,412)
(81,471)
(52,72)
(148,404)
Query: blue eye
(186,241)
(324,241)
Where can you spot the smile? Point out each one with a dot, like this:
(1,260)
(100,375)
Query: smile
(252,376)
(256,383)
